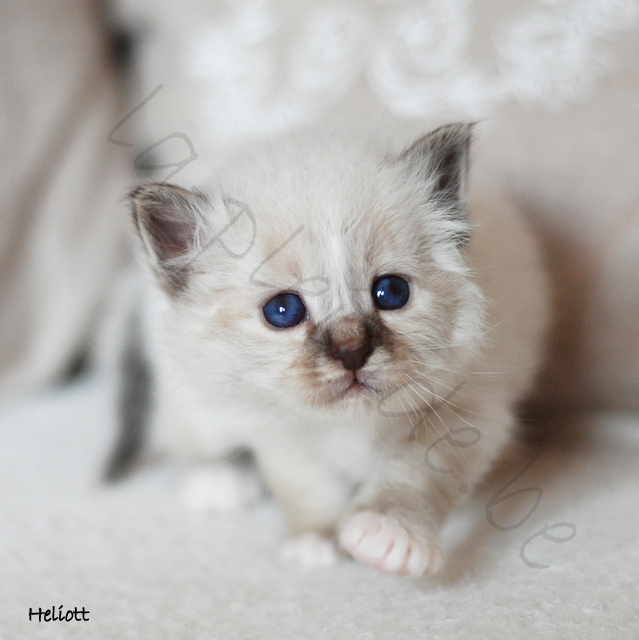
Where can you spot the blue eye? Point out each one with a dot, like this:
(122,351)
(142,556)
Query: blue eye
(284,310)
(390,292)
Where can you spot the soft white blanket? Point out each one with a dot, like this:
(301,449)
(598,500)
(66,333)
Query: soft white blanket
(145,568)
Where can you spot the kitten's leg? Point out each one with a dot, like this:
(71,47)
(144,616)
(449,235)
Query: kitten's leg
(313,497)
(222,486)
(217,472)
(395,520)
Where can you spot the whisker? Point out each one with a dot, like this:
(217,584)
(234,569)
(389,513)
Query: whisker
(438,432)
(452,406)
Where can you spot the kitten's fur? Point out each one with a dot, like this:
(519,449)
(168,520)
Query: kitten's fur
(324,216)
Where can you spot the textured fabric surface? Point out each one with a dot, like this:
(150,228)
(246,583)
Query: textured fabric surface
(256,67)
(145,568)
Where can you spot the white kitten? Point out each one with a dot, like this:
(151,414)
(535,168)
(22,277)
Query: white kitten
(344,314)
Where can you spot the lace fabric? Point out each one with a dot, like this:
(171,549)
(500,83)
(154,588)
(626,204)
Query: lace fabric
(260,65)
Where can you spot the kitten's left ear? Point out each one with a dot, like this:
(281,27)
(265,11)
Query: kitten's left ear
(442,156)
(168,220)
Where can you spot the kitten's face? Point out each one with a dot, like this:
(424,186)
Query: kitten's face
(336,277)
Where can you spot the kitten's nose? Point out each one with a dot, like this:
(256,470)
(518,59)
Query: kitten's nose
(353,354)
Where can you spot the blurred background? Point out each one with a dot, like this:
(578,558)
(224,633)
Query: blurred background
(97,95)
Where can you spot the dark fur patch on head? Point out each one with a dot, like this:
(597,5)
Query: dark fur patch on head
(368,330)
(318,361)
(443,155)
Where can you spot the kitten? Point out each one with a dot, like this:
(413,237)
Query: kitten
(349,318)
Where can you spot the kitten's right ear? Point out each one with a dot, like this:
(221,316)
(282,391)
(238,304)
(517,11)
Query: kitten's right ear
(442,157)
(168,220)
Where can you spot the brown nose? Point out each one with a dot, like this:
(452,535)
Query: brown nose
(353,355)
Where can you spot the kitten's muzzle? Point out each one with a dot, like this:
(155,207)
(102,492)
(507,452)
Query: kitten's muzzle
(353,354)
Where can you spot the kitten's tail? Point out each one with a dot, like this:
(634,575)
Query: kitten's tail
(133,397)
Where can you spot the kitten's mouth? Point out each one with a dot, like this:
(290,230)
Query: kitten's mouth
(355,388)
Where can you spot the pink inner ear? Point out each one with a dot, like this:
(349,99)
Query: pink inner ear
(171,228)
(168,216)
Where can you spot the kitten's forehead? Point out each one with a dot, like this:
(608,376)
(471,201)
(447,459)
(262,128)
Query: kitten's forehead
(360,205)
(333,260)
(329,220)
(321,263)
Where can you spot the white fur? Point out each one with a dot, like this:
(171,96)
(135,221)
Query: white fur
(386,543)
(309,550)
(222,487)
(226,379)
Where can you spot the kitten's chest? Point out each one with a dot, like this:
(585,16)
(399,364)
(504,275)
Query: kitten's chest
(352,449)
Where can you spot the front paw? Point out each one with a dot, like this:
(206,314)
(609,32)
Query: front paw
(383,541)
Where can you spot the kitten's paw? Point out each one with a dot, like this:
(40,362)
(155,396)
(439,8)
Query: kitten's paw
(220,488)
(384,542)
(310,550)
